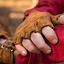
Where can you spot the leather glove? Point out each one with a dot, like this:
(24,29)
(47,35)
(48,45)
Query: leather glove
(6,49)
(34,22)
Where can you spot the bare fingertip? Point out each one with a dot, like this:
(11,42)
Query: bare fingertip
(54,41)
(48,51)
(38,52)
(23,53)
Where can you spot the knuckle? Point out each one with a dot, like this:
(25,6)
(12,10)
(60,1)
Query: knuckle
(41,47)
(32,50)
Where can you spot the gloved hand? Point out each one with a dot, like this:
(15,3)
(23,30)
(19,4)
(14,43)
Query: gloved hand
(6,49)
(34,22)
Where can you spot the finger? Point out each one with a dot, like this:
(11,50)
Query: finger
(40,43)
(21,50)
(61,19)
(50,35)
(30,46)
(16,53)
(2,40)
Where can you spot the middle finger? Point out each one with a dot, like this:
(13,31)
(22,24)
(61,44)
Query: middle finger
(38,40)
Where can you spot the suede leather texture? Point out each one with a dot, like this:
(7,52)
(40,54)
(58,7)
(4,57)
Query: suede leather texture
(56,56)
(34,22)
(54,7)
(6,56)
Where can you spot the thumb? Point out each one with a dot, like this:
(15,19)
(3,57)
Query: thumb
(61,19)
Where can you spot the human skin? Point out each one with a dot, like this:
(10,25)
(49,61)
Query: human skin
(30,46)
(16,53)
(38,43)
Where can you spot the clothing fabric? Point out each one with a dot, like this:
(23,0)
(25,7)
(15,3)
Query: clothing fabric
(51,6)
(57,54)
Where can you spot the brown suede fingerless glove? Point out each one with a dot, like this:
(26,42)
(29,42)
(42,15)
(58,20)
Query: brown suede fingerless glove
(34,22)
(6,50)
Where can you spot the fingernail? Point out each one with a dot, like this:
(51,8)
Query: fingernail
(24,53)
(54,41)
(48,51)
(38,52)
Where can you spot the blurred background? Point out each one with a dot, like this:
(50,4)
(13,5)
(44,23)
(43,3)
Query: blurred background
(11,13)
